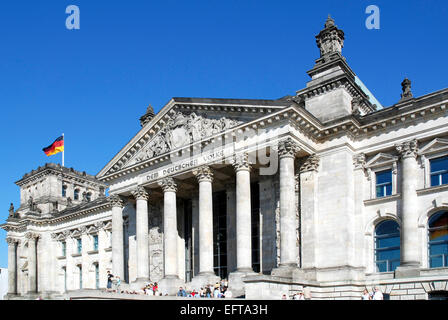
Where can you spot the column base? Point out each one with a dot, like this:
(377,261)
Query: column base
(286,270)
(203,279)
(236,281)
(410,270)
(170,285)
(11,296)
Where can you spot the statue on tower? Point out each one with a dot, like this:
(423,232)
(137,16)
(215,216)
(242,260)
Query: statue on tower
(406,89)
(331,39)
(11,211)
(147,116)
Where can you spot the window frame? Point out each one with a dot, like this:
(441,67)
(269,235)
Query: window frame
(388,235)
(444,255)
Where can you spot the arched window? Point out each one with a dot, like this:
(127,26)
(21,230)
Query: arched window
(76,195)
(387,246)
(64,191)
(438,240)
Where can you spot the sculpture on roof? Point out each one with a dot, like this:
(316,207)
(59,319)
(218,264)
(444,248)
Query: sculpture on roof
(406,90)
(331,39)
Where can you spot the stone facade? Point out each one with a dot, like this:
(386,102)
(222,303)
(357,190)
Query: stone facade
(275,195)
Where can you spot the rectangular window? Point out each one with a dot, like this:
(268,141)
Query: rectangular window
(80,277)
(64,248)
(79,242)
(439,171)
(384,183)
(95,242)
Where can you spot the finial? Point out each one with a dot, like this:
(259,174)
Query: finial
(330,22)
(147,116)
(406,89)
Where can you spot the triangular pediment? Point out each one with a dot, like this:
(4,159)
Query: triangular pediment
(186,121)
(381,159)
(436,145)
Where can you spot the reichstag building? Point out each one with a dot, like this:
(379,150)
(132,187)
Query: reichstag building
(325,188)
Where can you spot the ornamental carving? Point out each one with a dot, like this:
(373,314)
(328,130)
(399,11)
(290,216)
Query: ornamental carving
(12,241)
(168,185)
(140,193)
(310,164)
(287,148)
(32,236)
(330,39)
(181,130)
(203,173)
(241,162)
(407,149)
(116,201)
(359,161)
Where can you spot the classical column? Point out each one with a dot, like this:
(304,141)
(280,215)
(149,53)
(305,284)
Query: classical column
(205,178)
(141,196)
(32,261)
(231,226)
(195,231)
(169,187)
(308,216)
(12,266)
(243,214)
(410,258)
(117,236)
(287,151)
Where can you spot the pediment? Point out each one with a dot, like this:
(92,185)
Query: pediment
(181,129)
(178,130)
(381,159)
(435,146)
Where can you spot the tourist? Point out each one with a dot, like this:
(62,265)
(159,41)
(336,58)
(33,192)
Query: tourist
(155,289)
(109,281)
(118,284)
(208,292)
(284,297)
(365,295)
(228,293)
(377,294)
(216,293)
(181,292)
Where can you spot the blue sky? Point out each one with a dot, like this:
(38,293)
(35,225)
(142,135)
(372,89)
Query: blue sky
(94,83)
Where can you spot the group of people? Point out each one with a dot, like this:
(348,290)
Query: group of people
(113,283)
(219,290)
(301,295)
(376,294)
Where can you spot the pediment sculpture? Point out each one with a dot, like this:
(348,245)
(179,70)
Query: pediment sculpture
(182,130)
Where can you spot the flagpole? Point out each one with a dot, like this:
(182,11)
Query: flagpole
(63,151)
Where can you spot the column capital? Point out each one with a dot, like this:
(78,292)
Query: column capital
(241,162)
(359,161)
(310,164)
(203,173)
(168,185)
(12,241)
(407,149)
(140,193)
(116,201)
(32,236)
(288,148)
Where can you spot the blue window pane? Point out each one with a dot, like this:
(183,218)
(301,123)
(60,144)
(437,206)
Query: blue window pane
(436,249)
(387,227)
(436,262)
(439,164)
(388,242)
(435,180)
(388,254)
(384,177)
(380,192)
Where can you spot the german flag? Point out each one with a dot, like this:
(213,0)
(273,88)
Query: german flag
(56,147)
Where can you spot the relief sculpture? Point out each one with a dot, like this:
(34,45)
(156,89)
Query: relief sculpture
(181,130)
